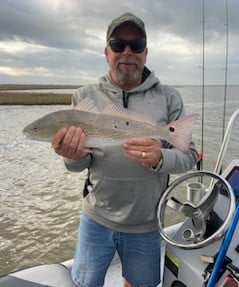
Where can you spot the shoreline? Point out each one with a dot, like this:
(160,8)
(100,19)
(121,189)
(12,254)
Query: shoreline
(24,94)
(10,95)
(12,87)
(19,98)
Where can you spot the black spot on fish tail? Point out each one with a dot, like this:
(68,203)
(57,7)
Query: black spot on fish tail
(171,129)
(115,126)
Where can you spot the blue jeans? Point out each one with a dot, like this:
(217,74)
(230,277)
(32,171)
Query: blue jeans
(96,246)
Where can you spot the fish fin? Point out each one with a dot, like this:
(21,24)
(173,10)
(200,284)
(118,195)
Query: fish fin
(180,132)
(122,113)
(86,105)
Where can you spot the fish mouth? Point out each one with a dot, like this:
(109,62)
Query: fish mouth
(25,132)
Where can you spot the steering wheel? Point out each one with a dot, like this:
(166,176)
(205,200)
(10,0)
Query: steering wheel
(190,233)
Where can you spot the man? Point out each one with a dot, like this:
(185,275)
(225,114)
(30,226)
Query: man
(125,182)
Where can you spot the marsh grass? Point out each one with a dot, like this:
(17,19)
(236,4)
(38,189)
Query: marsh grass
(12,87)
(19,98)
(10,95)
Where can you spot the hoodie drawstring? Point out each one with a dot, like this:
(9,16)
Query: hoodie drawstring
(125,99)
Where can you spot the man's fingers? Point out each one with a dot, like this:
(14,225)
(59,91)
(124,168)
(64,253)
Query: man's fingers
(70,142)
(58,138)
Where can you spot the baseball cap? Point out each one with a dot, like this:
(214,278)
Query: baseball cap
(125,18)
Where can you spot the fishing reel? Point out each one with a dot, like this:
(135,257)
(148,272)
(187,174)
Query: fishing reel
(196,210)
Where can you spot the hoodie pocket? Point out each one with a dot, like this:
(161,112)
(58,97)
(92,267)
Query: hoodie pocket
(131,201)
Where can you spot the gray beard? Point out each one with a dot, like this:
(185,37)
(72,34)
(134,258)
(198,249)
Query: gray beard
(126,78)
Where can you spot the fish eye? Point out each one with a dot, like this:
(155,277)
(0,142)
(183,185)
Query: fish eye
(171,129)
(127,123)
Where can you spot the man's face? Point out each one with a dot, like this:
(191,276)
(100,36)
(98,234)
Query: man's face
(126,67)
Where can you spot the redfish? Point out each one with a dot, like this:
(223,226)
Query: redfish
(110,127)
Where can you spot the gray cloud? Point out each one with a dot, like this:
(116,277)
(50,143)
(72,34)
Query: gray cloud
(63,41)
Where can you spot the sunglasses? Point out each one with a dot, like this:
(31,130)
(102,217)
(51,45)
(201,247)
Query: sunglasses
(136,46)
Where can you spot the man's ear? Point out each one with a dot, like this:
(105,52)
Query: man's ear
(106,54)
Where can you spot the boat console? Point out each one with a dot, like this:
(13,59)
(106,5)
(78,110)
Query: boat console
(231,174)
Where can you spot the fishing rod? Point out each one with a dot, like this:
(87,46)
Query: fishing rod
(200,154)
(225,82)
(226,69)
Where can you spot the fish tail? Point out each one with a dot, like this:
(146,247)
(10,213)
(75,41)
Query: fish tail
(180,132)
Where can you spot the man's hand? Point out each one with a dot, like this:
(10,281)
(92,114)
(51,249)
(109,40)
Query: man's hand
(70,143)
(144,150)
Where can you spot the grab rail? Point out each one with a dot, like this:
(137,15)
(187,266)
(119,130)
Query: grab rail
(225,142)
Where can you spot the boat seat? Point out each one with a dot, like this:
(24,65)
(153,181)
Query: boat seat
(51,275)
(10,281)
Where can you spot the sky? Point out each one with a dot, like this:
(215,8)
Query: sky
(62,42)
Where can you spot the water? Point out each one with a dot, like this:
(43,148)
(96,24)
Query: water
(40,201)
(213,119)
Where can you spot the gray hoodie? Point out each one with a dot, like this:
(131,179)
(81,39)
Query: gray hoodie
(124,194)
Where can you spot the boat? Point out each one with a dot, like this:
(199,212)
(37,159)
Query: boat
(202,247)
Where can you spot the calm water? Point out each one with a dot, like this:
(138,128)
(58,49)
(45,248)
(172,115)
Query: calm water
(40,201)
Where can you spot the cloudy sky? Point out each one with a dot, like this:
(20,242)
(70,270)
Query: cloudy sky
(62,42)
